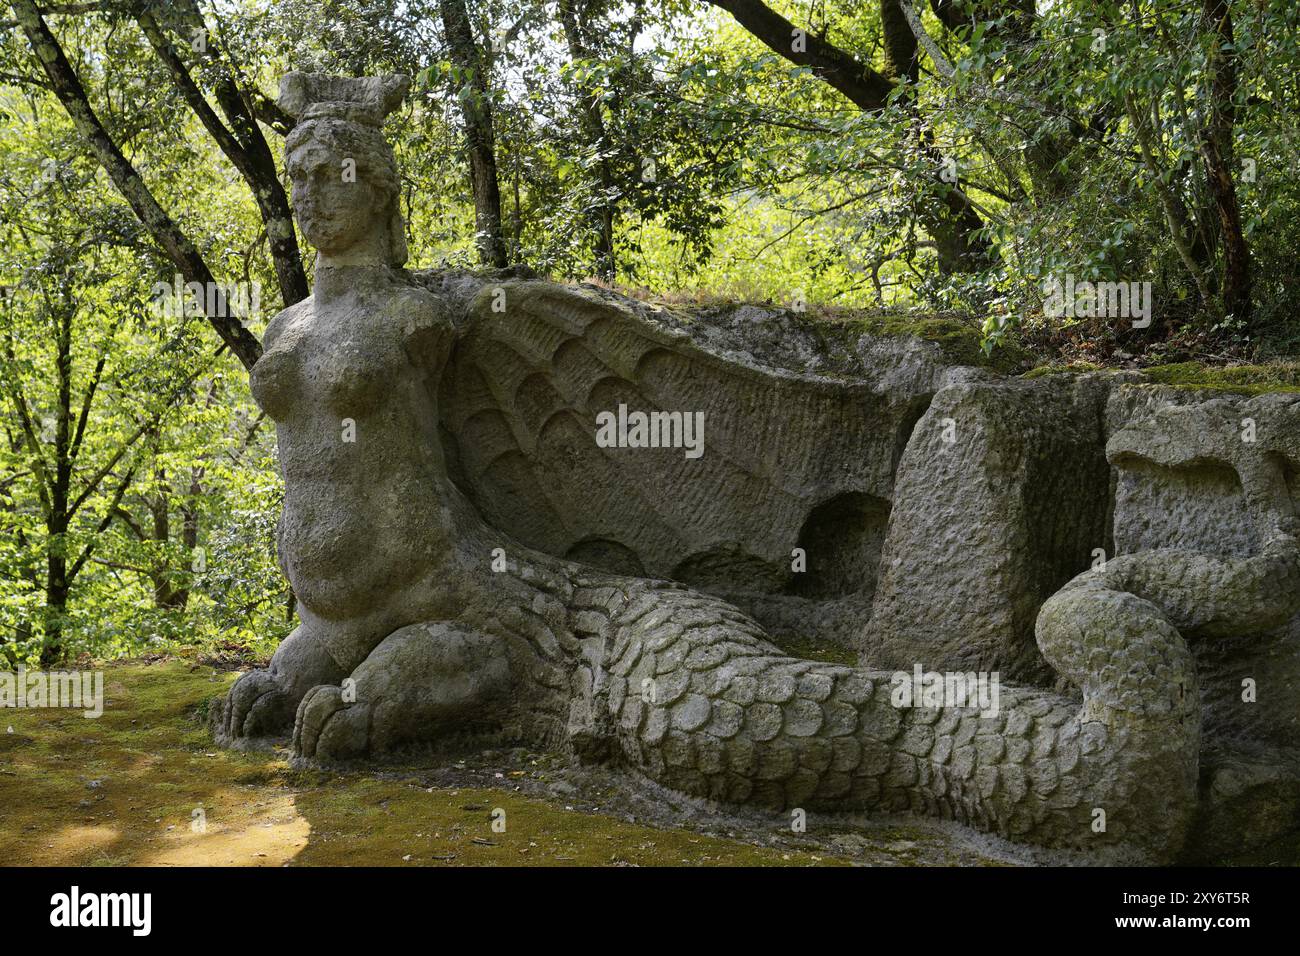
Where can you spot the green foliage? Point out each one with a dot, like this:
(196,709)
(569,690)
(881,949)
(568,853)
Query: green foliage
(128,451)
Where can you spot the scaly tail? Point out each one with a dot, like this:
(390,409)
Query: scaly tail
(1117,633)
(702,703)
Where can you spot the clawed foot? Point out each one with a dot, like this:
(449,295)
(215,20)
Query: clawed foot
(262,703)
(421,682)
(257,706)
(328,727)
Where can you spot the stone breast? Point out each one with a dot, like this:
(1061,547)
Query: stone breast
(339,366)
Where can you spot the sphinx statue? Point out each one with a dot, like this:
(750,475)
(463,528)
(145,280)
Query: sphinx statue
(472,567)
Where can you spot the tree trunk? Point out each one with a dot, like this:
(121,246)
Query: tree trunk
(242,143)
(955,227)
(1217,155)
(25,569)
(57,579)
(480,135)
(165,594)
(56,609)
(605,214)
(901,60)
(1181,232)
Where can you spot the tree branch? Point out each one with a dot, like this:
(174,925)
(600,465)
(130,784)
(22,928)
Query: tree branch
(242,143)
(865,87)
(180,250)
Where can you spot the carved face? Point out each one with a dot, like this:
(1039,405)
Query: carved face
(337,203)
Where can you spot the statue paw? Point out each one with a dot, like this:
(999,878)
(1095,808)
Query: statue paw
(424,684)
(257,706)
(330,728)
(262,702)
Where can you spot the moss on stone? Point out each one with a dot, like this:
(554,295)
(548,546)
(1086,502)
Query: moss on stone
(815,650)
(1072,368)
(959,340)
(1239,379)
(1236,379)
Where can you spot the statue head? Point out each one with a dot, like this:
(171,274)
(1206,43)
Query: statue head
(345,180)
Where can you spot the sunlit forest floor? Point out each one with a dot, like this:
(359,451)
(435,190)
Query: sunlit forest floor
(144,785)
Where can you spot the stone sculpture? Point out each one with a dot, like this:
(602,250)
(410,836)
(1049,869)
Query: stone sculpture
(471,566)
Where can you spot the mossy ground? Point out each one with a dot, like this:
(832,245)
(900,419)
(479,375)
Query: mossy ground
(123,790)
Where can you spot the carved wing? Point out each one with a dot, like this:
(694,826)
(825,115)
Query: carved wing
(789,458)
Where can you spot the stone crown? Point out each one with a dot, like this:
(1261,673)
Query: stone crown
(367,99)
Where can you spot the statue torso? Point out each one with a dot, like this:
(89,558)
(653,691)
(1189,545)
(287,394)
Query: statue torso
(346,378)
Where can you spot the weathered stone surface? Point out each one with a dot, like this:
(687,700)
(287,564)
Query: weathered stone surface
(1001,497)
(525,383)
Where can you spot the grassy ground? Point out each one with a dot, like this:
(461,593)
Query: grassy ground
(123,789)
